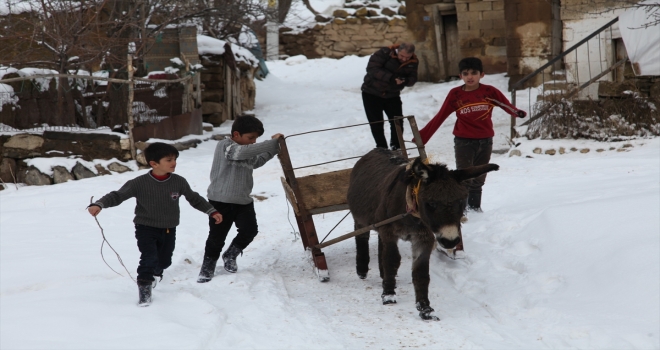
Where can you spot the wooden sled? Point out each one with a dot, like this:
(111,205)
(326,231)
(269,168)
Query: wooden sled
(325,193)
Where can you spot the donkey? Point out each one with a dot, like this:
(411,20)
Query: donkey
(383,185)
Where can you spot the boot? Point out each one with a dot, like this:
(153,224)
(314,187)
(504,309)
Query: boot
(144,292)
(474,202)
(229,257)
(207,271)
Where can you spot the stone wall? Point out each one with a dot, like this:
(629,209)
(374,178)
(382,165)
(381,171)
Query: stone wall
(359,31)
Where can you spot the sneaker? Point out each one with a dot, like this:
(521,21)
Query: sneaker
(229,258)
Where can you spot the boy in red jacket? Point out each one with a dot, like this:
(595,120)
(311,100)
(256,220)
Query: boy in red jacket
(473,131)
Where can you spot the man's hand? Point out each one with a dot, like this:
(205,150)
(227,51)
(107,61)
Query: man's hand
(400,81)
(94,210)
(277,136)
(218,217)
(521,114)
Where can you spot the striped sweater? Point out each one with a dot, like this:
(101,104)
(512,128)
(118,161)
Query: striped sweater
(231,172)
(157,201)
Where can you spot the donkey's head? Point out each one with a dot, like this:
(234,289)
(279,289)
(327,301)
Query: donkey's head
(438,197)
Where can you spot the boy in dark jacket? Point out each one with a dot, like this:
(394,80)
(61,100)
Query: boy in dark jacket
(234,160)
(157,195)
(389,70)
(473,103)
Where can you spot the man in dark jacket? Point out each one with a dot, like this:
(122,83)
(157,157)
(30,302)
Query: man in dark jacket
(390,69)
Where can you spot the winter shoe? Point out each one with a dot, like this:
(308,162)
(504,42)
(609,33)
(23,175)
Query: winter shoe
(229,257)
(207,271)
(144,292)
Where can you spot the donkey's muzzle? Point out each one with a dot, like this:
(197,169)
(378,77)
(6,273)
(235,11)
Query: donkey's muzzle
(449,237)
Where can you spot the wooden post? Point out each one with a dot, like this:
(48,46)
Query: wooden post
(304,218)
(418,137)
(229,101)
(129,68)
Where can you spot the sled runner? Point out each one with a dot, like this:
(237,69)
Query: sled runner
(325,193)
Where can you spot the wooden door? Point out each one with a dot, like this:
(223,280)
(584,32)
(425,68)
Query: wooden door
(450,24)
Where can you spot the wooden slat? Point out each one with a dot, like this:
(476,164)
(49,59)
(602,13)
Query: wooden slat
(325,190)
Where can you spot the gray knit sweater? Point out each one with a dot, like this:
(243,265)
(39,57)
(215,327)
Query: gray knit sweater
(157,201)
(231,172)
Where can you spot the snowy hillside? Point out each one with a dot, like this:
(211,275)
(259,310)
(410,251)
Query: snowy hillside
(565,255)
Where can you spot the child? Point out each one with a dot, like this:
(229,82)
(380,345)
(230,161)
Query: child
(473,131)
(229,192)
(157,195)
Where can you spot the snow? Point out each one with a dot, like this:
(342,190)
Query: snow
(565,255)
(642,43)
(207,45)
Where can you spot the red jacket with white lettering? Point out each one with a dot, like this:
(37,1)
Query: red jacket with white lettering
(474,110)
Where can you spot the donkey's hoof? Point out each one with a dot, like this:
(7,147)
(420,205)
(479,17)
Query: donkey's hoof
(362,275)
(427,313)
(388,299)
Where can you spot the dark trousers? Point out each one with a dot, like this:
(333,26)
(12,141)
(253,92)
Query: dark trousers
(471,152)
(156,246)
(242,215)
(374,107)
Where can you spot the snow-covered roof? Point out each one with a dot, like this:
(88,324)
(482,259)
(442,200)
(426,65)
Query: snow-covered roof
(207,45)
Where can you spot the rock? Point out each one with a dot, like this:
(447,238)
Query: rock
(537,150)
(600,150)
(141,145)
(25,141)
(573,149)
(402,10)
(361,12)
(373,13)
(562,150)
(339,13)
(101,170)
(125,144)
(140,159)
(207,127)
(322,19)
(388,12)
(31,176)
(61,175)
(551,152)
(584,150)
(219,137)
(612,148)
(182,146)
(515,152)
(627,145)
(81,172)
(8,170)
(622,150)
(499,151)
(118,168)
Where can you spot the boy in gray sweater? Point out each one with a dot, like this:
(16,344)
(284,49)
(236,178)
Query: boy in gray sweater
(157,195)
(229,192)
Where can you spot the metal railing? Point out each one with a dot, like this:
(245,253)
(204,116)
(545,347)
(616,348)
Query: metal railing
(571,87)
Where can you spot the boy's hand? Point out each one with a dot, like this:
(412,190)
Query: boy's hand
(94,210)
(218,217)
(521,114)
(277,136)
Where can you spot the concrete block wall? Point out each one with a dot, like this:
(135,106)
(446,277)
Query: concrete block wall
(482,32)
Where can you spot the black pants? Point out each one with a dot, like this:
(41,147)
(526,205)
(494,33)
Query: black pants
(242,215)
(156,246)
(374,107)
(471,152)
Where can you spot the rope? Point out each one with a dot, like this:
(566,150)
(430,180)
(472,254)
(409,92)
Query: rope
(326,236)
(347,126)
(105,240)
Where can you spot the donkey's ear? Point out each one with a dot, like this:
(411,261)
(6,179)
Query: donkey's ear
(420,171)
(472,172)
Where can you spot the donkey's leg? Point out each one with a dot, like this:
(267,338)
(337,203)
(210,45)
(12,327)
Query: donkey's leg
(390,259)
(421,250)
(362,256)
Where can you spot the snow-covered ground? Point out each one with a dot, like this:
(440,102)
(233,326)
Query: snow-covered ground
(565,255)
